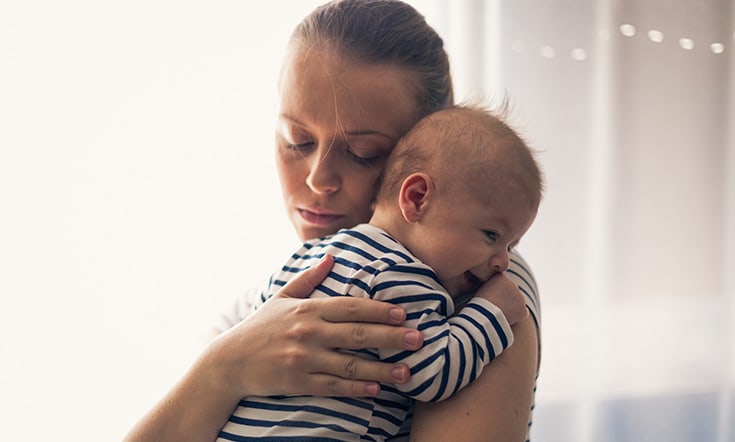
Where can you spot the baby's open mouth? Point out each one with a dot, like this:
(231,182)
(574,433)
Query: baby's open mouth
(472,282)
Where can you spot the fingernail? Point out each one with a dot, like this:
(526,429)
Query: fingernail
(372,389)
(398,373)
(412,337)
(397,314)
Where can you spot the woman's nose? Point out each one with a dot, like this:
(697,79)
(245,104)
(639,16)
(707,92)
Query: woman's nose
(500,261)
(323,177)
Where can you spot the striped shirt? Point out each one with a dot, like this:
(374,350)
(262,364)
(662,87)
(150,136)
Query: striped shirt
(457,345)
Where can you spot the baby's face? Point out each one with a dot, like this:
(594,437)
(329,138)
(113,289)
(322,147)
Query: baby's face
(470,234)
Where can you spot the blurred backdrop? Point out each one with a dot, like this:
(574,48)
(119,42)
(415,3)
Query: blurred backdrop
(136,180)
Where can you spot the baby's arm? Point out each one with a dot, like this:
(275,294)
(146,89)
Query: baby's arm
(456,348)
(501,291)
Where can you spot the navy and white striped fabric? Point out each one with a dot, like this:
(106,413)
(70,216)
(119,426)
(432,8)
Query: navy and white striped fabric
(369,263)
(519,272)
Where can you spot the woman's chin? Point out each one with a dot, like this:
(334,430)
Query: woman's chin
(309,226)
(307,232)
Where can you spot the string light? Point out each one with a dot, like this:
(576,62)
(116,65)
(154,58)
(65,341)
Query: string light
(655,36)
(717,48)
(686,43)
(548,52)
(627,30)
(579,54)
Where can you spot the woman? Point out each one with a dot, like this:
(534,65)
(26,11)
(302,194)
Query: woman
(358,74)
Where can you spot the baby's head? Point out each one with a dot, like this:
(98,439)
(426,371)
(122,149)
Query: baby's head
(462,188)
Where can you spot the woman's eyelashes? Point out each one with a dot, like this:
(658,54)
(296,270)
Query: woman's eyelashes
(362,159)
(300,146)
(304,145)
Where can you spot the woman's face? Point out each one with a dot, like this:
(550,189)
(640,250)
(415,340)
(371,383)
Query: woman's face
(338,122)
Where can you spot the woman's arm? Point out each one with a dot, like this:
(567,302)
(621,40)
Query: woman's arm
(285,347)
(496,406)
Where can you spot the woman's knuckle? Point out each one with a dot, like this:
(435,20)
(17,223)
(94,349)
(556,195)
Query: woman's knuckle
(303,308)
(334,386)
(301,331)
(359,333)
(294,357)
(352,306)
(351,368)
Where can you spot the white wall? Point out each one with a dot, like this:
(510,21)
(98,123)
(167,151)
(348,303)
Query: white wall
(136,180)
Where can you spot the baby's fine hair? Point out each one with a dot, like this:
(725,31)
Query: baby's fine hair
(387,32)
(463,142)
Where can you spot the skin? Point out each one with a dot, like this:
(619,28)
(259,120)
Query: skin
(337,125)
(333,117)
(286,346)
(262,356)
(375,99)
(495,407)
(467,246)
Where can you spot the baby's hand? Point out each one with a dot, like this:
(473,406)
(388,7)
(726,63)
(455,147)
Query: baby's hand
(504,293)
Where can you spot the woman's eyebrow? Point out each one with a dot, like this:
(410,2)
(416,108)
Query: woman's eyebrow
(290,118)
(350,133)
(368,132)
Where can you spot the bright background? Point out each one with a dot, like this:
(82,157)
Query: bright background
(137,187)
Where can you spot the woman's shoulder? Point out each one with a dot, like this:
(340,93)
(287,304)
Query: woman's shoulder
(237,310)
(520,272)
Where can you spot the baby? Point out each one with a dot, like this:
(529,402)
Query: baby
(458,192)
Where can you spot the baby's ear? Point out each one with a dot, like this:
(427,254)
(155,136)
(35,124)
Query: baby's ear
(414,196)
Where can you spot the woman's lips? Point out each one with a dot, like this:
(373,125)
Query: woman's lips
(319,217)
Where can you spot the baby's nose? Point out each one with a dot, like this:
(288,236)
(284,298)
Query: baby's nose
(499,262)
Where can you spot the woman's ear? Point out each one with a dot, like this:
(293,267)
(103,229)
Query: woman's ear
(414,196)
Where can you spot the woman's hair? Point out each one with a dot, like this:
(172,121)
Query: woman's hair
(384,32)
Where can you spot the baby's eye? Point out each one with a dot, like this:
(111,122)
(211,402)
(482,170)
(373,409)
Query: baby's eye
(491,235)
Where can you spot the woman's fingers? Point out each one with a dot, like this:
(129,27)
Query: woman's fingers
(350,309)
(357,336)
(340,309)
(303,284)
(328,385)
(308,321)
(346,375)
(351,323)
(300,338)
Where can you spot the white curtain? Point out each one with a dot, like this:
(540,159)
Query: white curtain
(632,107)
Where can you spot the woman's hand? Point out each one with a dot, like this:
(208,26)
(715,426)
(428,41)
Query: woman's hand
(286,347)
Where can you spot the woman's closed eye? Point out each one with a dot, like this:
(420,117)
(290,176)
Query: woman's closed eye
(362,159)
(365,152)
(300,146)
